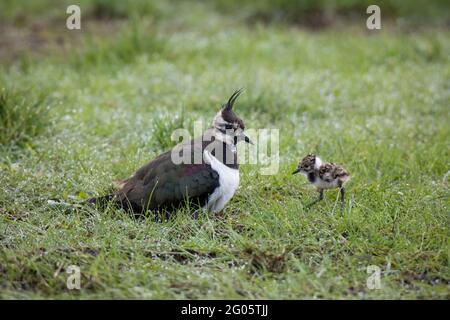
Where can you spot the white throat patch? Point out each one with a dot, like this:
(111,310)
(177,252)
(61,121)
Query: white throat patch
(225,138)
(217,122)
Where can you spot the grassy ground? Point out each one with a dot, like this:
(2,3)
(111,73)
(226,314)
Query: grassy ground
(83,108)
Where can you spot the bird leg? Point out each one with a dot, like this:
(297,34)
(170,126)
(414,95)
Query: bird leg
(198,211)
(342,199)
(195,214)
(317,200)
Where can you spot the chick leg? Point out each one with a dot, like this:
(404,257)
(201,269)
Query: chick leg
(342,199)
(317,200)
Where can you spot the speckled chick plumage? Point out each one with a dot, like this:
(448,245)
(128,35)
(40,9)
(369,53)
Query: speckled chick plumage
(323,175)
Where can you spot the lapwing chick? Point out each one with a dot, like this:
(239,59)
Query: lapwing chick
(323,176)
(207,176)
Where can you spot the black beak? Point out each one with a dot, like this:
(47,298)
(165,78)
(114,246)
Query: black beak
(296,171)
(247,139)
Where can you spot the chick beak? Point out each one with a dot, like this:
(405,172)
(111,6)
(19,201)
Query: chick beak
(296,171)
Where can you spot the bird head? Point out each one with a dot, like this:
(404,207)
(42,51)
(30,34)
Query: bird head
(227,125)
(308,164)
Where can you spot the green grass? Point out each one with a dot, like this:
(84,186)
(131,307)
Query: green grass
(377,102)
(22,117)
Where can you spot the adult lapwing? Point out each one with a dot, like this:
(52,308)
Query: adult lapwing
(323,175)
(203,172)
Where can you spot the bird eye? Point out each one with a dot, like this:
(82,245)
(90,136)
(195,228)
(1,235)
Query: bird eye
(228,126)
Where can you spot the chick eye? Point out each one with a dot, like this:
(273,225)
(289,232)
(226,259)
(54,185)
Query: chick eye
(228,126)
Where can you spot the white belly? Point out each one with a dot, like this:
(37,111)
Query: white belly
(228,183)
(319,183)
